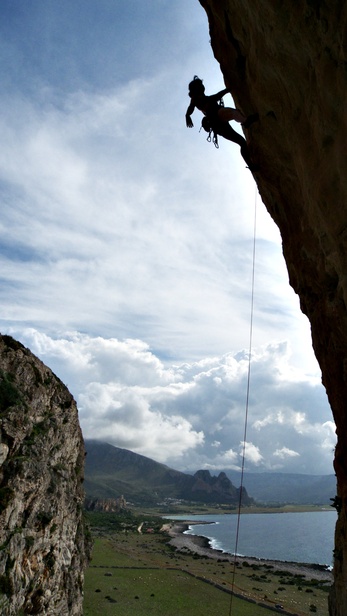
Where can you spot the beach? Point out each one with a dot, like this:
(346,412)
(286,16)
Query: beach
(201,545)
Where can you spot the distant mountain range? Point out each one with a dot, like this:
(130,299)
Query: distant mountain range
(293,488)
(111,471)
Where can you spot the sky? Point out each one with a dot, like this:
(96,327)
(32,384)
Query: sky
(127,244)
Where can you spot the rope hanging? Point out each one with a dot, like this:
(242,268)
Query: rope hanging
(247,406)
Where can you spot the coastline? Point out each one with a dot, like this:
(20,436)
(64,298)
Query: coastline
(200,545)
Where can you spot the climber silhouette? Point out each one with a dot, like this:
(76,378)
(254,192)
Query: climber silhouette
(217,117)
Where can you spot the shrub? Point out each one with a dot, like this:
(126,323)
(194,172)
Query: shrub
(49,560)
(6,494)
(29,541)
(6,585)
(38,430)
(9,394)
(44,518)
(12,343)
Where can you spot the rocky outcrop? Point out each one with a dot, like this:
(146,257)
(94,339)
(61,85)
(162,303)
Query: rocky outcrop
(287,61)
(204,487)
(42,536)
(109,505)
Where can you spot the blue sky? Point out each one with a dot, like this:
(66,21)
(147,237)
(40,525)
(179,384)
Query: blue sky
(126,243)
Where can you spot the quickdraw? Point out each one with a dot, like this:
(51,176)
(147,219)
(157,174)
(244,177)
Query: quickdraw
(207,125)
(212,135)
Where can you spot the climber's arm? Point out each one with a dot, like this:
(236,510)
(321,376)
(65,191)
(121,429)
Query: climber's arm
(189,112)
(220,94)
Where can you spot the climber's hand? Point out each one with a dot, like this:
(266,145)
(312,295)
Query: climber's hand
(189,122)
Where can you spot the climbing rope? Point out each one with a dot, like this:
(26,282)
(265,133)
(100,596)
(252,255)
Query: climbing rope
(247,406)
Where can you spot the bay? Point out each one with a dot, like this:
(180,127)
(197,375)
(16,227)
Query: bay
(305,537)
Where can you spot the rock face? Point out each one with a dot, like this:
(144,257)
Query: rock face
(42,538)
(208,488)
(287,61)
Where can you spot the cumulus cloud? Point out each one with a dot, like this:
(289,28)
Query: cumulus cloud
(252,453)
(192,415)
(284,452)
(124,417)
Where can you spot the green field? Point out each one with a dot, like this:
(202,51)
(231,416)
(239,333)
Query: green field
(113,588)
(140,574)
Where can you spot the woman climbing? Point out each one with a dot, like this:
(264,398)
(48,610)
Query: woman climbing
(217,117)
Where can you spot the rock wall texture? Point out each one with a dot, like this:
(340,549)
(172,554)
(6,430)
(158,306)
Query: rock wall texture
(42,537)
(287,61)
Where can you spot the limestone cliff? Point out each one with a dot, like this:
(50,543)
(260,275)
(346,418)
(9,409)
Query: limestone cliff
(110,505)
(42,539)
(287,61)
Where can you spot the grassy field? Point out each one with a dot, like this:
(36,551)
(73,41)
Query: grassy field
(151,588)
(133,573)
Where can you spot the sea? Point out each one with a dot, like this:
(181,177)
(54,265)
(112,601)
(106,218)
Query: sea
(304,537)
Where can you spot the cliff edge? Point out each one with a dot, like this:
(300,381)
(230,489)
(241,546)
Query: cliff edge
(42,538)
(287,61)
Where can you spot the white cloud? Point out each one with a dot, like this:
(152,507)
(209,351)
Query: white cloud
(123,417)
(215,444)
(229,459)
(252,453)
(284,452)
(328,433)
(192,415)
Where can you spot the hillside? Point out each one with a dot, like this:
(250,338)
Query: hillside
(111,471)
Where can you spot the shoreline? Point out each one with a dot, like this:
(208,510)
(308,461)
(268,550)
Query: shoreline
(198,544)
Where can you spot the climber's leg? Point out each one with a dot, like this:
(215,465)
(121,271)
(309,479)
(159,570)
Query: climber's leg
(250,120)
(226,114)
(224,130)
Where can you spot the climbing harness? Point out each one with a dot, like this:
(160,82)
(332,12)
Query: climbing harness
(212,135)
(247,405)
(207,125)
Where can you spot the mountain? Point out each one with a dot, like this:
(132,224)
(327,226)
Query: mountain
(287,488)
(111,471)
